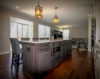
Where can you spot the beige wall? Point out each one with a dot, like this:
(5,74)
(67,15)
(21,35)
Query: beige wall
(78,32)
(5,15)
(4,36)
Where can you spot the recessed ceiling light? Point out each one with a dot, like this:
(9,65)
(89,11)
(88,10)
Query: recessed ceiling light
(17,7)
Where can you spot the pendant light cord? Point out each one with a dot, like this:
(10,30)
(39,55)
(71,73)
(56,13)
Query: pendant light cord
(38,2)
(33,1)
(56,11)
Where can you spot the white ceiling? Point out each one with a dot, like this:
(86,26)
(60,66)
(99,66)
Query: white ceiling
(70,12)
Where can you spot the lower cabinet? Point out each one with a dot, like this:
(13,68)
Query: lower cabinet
(69,48)
(42,57)
(29,58)
(66,48)
(56,58)
(44,61)
(63,50)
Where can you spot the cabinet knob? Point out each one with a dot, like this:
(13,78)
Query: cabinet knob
(28,49)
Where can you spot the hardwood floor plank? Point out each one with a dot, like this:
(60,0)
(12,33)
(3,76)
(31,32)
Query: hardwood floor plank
(79,66)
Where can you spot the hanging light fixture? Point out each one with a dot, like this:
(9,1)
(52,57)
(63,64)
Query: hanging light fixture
(56,19)
(38,11)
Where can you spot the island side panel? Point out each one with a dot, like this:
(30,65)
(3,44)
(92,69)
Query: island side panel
(29,58)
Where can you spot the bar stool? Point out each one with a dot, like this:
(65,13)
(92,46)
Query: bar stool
(16,53)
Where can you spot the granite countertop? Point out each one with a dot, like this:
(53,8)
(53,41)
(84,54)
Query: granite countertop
(41,41)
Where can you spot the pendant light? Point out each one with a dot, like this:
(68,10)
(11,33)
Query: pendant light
(38,11)
(56,19)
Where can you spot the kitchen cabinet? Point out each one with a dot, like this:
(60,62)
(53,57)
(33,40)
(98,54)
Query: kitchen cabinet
(44,61)
(41,56)
(63,49)
(44,58)
(29,58)
(69,48)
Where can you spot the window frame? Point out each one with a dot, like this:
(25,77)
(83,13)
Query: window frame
(45,35)
(66,33)
(22,29)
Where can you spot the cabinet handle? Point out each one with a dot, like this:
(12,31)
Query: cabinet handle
(44,45)
(43,50)
(28,49)
(46,50)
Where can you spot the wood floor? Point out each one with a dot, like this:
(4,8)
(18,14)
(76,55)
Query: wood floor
(78,66)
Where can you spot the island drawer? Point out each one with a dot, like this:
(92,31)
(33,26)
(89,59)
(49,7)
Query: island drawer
(44,46)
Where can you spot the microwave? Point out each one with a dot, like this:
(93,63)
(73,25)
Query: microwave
(56,34)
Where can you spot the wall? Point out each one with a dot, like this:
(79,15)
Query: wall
(5,26)
(97,14)
(78,32)
(0,32)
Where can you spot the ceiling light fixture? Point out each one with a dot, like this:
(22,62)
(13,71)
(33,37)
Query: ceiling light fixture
(56,19)
(38,11)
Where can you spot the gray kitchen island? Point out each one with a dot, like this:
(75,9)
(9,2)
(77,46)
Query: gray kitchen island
(41,56)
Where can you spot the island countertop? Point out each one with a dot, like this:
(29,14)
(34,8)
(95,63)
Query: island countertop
(41,41)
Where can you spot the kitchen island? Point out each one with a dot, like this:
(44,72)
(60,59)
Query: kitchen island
(41,56)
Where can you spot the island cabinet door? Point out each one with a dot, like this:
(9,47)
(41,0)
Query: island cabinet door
(68,48)
(63,49)
(28,58)
(44,61)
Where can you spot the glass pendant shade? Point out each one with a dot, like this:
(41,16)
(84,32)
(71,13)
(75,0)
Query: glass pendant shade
(56,20)
(38,12)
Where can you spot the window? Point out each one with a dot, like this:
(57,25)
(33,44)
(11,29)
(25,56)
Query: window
(25,31)
(20,28)
(65,34)
(44,31)
(47,32)
(13,29)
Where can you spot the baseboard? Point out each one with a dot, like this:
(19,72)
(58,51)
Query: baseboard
(6,52)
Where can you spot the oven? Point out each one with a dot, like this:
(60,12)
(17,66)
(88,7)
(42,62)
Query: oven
(56,51)
(56,48)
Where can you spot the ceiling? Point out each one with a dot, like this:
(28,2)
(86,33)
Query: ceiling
(70,12)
